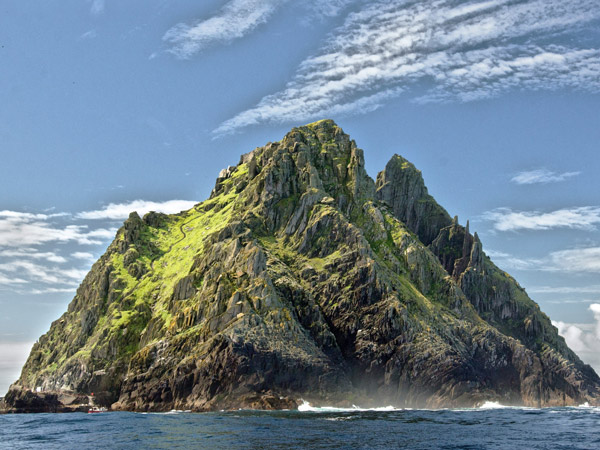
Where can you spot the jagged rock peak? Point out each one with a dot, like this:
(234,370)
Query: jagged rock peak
(316,160)
(401,186)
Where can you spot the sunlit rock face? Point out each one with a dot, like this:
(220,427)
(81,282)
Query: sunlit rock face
(302,278)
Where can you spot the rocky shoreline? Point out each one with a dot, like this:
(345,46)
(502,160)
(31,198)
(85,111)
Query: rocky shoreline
(26,401)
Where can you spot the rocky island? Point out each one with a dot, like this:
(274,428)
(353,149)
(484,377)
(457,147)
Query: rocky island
(302,278)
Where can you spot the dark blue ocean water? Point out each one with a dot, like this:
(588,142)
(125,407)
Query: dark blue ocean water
(505,428)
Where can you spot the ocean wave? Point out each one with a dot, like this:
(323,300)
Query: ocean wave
(586,407)
(306,407)
(496,405)
(489,405)
(168,413)
(493,405)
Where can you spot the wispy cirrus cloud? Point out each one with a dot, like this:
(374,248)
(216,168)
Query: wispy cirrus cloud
(582,218)
(542,176)
(91,34)
(329,8)
(382,50)
(236,19)
(118,211)
(97,7)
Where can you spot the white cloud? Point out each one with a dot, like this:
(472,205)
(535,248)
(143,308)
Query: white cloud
(573,334)
(82,255)
(18,215)
(118,211)
(88,35)
(577,260)
(542,176)
(49,290)
(584,339)
(329,8)
(24,266)
(582,218)
(97,7)
(101,233)
(42,274)
(572,301)
(19,229)
(593,289)
(387,46)
(6,280)
(236,19)
(595,308)
(33,254)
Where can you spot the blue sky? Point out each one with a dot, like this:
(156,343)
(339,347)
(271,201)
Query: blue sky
(109,106)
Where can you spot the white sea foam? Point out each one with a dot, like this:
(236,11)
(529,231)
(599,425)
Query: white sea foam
(493,405)
(489,405)
(497,405)
(587,407)
(306,407)
(168,413)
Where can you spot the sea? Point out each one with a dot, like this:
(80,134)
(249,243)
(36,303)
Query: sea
(491,426)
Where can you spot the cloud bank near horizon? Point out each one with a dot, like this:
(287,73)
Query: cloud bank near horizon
(584,339)
(118,211)
(458,51)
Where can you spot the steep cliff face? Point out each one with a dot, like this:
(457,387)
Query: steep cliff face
(300,277)
(495,295)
